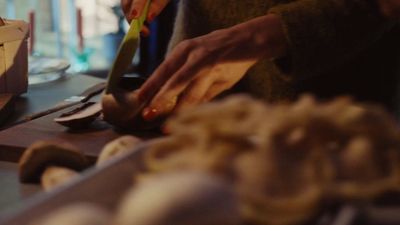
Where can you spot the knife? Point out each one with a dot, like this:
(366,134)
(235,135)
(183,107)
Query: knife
(66,103)
(126,52)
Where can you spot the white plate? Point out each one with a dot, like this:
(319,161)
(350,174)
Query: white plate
(46,69)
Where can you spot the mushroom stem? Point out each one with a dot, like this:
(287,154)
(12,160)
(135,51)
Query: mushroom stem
(54,176)
(180,198)
(43,154)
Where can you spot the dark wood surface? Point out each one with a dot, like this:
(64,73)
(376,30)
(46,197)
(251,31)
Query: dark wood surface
(12,192)
(14,140)
(104,185)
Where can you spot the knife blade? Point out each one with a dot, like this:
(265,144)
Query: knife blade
(66,103)
(2,22)
(126,52)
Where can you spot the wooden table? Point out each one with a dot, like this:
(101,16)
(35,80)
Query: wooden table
(39,97)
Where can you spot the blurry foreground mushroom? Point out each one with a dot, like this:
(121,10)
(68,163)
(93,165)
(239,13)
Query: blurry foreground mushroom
(76,214)
(179,199)
(117,147)
(285,161)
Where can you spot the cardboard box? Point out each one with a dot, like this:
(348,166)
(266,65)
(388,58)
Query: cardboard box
(14,57)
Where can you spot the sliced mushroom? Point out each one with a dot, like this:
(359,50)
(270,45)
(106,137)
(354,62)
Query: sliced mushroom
(43,154)
(121,104)
(123,109)
(76,214)
(117,147)
(80,117)
(55,176)
(179,199)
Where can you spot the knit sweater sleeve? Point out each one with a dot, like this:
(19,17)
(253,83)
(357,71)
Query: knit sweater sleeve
(323,34)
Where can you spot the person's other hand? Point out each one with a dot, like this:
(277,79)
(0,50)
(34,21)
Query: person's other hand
(134,8)
(199,69)
(390,8)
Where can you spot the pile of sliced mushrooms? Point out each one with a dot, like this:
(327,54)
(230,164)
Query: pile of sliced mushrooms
(241,161)
(54,164)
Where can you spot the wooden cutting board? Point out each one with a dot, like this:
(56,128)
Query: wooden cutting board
(15,140)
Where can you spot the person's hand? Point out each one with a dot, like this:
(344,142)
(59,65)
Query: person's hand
(199,69)
(134,8)
(390,8)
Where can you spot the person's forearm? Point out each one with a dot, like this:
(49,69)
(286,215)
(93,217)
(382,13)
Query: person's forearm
(390,8)
(267,35)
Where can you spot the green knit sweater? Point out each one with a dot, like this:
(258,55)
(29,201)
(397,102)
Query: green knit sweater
(336,47)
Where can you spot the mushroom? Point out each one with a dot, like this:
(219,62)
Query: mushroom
(55,176)
(76,214)
(123,110)
(179,199)
(117,147)
(121,104)
(80,117)
(43,154)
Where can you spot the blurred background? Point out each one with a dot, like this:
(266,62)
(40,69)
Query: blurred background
(87,33)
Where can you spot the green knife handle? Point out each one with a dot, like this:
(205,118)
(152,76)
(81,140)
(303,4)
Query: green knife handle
(126,51)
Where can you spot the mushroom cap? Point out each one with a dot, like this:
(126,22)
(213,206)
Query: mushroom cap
(76,214)
(179,199)
(118,146)
(123,110)
(42,154)
(80,117)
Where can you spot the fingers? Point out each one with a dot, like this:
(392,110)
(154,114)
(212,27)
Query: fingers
(126,7)
(197,92)
(145,32)
(165,100)
(133,9)
(153,85)
(164,72)
(216,89)
(194,94)
(187,73)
